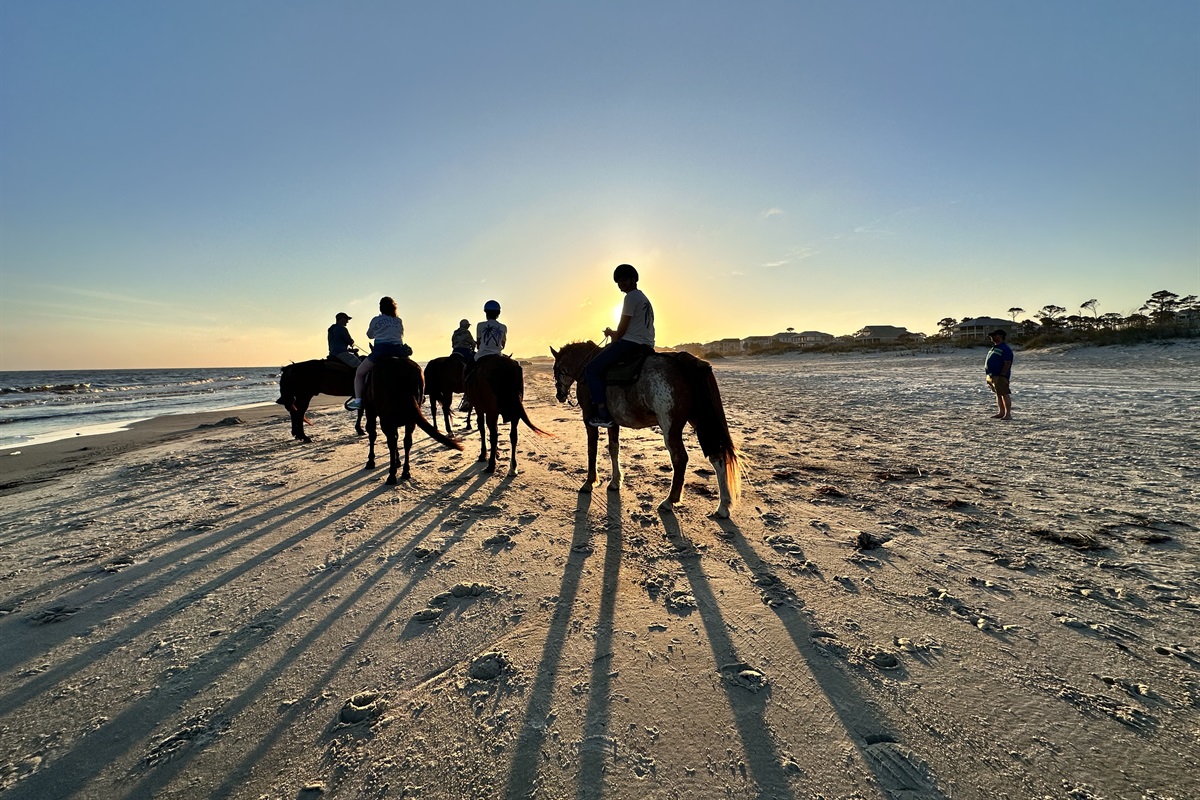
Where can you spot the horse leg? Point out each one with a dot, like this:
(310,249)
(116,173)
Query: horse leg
(722,511)
(482,441)
(614,456)
(493,427)
(469,410)
(673,436)
(593,438)
(358,428)
(512,454)
(298,411)
(392,432)
(433,401)
(408,432)
(447,404)
(371,429)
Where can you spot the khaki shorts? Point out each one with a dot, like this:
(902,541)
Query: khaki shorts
(998,384)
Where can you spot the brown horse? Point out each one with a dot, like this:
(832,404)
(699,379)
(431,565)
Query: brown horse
(496,387)
(672,389)
(393,393)
(300,383)
(444,377)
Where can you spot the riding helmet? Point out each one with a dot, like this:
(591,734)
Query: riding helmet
(491,305)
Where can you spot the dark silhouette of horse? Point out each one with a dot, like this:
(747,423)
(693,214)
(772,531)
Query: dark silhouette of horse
(394,394)
(671,390)
(444,377)
(300,383)
(496,388)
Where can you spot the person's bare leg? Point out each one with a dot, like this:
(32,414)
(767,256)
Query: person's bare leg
(1005,406)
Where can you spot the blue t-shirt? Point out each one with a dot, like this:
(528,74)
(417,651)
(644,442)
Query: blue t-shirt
(994,365)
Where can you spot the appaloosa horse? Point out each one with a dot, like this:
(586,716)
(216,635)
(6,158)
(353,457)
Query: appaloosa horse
(496,388)
(300,383)
(393,394)
(671,390)
(444,377)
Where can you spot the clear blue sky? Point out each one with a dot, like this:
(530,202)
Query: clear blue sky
(208,183)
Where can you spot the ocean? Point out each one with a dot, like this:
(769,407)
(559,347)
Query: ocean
(45,405)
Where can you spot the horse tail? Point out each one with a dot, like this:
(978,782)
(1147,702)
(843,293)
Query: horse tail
(424,424)
(708,419)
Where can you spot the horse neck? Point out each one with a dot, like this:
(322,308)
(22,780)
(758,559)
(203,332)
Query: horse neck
(577,355)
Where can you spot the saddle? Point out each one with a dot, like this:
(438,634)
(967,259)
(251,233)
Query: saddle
(337,362)
(627,371)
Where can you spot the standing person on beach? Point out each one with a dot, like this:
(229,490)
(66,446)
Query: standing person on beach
(634,332)
(387,330)
(998,368)
(340,341)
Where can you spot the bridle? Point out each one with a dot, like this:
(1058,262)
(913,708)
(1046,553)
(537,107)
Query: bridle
(573,376)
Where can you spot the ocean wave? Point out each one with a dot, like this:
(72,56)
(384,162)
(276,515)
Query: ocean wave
(56,388)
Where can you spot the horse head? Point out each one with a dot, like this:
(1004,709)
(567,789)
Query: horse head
(568,366)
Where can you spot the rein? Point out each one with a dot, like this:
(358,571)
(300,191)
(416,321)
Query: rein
(583,365)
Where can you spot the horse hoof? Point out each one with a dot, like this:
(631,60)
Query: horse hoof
(370,465)
(614,487)
(391,481)
(490,468)
(585,489)
(721,513)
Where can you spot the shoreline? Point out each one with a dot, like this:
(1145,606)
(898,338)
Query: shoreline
(22,465)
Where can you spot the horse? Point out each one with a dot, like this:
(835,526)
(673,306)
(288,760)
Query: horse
(671,390)
(496,388)
(299,383)
(444,377)
(393,394)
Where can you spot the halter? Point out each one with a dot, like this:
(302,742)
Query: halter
(582,366)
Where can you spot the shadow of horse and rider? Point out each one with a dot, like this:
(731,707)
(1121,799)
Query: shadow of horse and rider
(669,390)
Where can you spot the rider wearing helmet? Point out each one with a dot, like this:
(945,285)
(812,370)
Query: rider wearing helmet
(462,342)
(635,332)
(491,334)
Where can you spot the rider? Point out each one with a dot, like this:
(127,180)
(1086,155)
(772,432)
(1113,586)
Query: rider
(340,341)
(492,334)
(387,330)
(463,343)
(635,332)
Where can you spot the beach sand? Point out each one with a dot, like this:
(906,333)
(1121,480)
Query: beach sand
(911,601)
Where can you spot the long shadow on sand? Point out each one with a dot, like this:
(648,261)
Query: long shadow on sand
(70,772)
(898,770)
(749,708)
(595,726)
(522,778)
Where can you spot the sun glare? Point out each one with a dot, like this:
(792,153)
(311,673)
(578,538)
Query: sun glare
(616,313)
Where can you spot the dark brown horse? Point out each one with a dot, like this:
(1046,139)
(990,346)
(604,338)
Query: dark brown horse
(672,389)
(393,394)
(300,383)
(496,388)
(444,377)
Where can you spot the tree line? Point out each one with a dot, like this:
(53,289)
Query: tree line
(1163,310)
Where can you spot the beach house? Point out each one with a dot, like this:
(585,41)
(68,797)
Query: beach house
(980,327)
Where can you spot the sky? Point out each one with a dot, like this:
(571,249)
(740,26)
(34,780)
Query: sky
(208,182)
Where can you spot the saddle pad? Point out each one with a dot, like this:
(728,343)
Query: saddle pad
(626,373)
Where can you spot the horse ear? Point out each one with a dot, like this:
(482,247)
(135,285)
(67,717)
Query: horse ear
(553,352)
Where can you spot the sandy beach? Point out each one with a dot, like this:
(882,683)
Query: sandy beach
(911,600)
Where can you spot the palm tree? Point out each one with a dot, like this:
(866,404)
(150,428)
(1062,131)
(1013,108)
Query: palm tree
(1014,311)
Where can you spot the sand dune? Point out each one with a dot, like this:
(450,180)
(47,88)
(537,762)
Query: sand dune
(911,601)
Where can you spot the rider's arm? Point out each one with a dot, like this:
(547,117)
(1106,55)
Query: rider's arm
(620,331)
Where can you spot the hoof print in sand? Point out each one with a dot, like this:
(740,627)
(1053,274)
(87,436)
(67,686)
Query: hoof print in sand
(459,592)
(489,666)
(363,707)
(49,616)
(499,541)
(744,676)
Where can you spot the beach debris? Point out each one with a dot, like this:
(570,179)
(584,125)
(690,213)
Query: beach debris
(1079,541)
(869,541)
(225,423)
